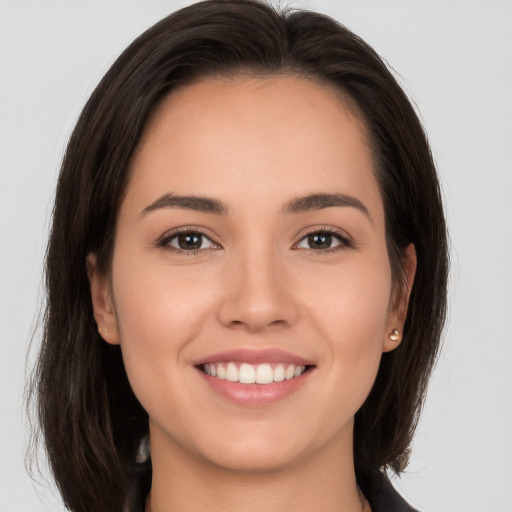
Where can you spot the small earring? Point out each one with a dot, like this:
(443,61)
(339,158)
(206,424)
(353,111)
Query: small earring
(395,335)
(104,329)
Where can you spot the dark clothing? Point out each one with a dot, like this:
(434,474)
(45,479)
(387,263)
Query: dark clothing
(382,496)
(377,488)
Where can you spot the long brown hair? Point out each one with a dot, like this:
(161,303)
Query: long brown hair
(91,422)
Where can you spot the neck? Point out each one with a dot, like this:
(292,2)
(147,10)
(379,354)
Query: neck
(325,481)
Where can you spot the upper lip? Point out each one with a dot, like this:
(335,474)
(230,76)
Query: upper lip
(254,356)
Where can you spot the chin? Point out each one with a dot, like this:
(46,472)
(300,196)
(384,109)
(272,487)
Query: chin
(261,461)
(267,449)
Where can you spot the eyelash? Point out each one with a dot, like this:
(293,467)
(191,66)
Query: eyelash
(344,241)
(165,240)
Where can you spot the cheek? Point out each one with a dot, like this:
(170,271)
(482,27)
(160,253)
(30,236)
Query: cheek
(353,302)
(159,313)
(352,315)
(155,301)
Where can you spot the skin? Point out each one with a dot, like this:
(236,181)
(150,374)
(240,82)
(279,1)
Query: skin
(256,282)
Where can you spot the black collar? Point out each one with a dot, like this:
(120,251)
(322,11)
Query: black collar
(381,494)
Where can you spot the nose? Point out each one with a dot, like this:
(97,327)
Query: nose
(258,294)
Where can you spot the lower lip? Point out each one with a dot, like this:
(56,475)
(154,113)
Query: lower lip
(256,394)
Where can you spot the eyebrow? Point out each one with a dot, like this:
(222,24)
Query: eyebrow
(319,201)
(197,203)
(297,205)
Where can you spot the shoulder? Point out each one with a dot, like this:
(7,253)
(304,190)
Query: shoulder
(381,494)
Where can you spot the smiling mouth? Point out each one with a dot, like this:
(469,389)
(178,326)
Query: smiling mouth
(245,373)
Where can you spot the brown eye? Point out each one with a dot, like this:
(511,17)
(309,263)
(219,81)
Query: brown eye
(320,241)
(323,241)
(190,241)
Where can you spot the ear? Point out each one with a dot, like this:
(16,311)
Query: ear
(400,301)
(102,304)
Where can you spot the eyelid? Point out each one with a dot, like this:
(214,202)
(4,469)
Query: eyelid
(344,238)
(163,240)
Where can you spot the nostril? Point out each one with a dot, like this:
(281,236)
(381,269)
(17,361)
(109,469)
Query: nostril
(254,325)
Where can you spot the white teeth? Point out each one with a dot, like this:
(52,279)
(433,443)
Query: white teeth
(249,374)
(279,373)
(264,374)
(221,372)
(232,372)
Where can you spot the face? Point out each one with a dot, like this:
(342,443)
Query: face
(250,287)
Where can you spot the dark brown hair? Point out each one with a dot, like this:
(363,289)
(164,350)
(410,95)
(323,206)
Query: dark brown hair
(91,422)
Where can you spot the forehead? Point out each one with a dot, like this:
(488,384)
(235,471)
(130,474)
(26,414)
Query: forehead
(253,137)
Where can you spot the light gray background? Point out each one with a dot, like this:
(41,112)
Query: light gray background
(455,61)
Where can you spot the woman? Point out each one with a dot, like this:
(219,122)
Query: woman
(246,273)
